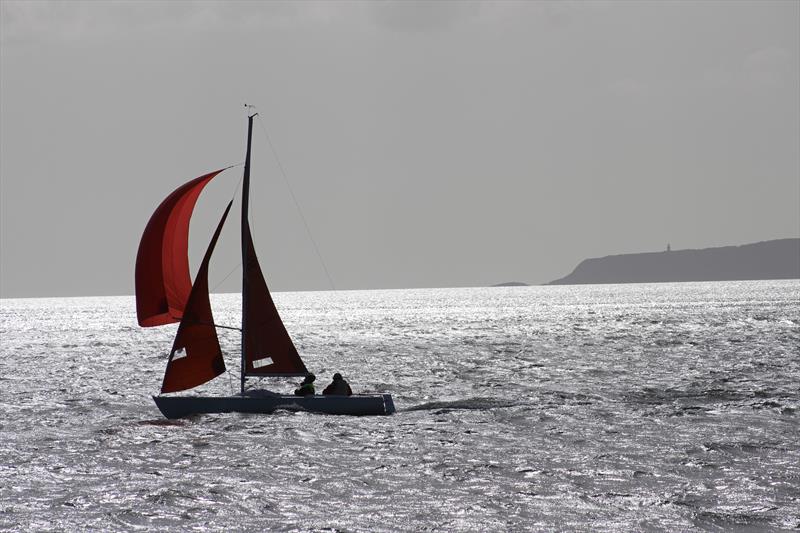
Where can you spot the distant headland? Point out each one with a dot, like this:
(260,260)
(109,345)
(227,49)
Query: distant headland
(777,259)
(511,284)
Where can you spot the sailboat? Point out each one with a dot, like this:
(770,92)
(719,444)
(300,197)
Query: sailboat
(165,294)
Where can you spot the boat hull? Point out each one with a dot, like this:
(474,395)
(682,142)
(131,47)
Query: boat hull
(356,405)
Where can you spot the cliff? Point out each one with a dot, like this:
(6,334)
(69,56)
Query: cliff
(778,259)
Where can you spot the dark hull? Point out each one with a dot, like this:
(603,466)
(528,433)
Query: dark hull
(358,405)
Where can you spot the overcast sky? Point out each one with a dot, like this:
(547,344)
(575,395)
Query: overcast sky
(428,144)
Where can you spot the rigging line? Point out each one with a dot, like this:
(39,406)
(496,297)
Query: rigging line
(297,204)
(225,327)
(300,212)
(233,165)
(239,183)
(235,192)
(200,323)
(226,277)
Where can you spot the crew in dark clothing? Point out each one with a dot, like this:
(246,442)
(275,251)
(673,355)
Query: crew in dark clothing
(306,387)
(338,387)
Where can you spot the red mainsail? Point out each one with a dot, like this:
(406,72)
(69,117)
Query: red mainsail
(163,281)
(196,356)
(268,349)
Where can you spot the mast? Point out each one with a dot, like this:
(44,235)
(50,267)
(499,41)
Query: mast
(267,348)
(245,239)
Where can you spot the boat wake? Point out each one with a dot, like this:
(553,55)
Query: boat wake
(480,404)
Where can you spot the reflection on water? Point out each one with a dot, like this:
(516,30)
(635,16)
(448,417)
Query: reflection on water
(605,408)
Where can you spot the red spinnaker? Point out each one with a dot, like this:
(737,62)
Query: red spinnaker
(268,348)
(163,281)
(201,358)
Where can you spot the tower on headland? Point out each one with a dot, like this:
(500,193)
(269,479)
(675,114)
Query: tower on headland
(669,248)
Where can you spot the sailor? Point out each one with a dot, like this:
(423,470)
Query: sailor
(306,387)
(338,387)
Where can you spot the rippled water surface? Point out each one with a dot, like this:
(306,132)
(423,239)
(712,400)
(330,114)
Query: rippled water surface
(669,407)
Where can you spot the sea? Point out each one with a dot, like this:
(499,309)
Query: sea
(612,408)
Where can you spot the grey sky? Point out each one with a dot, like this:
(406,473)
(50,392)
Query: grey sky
(429,144)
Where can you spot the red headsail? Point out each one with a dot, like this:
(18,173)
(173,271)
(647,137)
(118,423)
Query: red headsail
(163,281)
(196,356)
